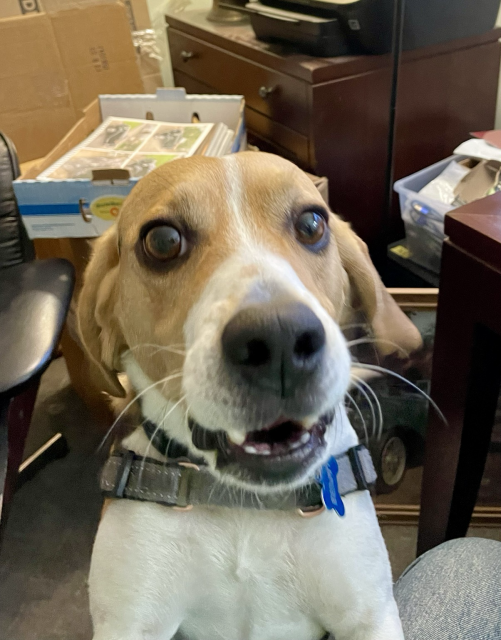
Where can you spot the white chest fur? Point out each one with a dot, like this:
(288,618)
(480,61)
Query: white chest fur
(234,574)
(241,575)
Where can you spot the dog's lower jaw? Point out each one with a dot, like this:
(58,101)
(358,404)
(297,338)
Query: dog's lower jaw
(172,417)
(289,462)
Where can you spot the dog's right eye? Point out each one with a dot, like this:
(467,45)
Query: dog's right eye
(163,243)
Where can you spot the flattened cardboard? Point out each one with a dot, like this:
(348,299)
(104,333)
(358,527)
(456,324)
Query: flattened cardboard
(138,18)
(57,63)
(36,108)
(139,15)
(97,52)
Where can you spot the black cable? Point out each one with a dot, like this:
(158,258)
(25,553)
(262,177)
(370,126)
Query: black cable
(397,40)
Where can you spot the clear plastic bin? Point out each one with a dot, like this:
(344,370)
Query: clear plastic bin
(424,217)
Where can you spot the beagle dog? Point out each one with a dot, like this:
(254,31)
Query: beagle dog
(221,292)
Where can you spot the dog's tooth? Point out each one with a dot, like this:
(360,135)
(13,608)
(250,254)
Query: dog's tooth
(248,448)
(237,437)
(304,438)
(266,452)
(309,421)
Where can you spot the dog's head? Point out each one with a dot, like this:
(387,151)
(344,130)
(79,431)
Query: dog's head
(221,291)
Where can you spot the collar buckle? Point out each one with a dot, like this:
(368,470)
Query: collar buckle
(184,487)
(123,474)
(358,468)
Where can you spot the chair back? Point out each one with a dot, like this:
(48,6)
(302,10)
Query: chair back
(15,246)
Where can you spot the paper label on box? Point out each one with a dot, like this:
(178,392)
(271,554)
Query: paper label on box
(107,207)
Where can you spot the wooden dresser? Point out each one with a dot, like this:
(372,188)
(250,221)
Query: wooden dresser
(331,115)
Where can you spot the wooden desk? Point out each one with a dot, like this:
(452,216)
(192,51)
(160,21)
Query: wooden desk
(466,371)
(331,115)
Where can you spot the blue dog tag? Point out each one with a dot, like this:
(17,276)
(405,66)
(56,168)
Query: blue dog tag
(330,490)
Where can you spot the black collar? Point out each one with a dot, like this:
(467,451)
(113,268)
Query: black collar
(168,447)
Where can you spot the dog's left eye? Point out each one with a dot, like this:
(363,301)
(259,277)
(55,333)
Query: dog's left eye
(163,242)
(310,227)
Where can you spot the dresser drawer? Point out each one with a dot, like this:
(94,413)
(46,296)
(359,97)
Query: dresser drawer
(284,141)
(276,95)
(267,134)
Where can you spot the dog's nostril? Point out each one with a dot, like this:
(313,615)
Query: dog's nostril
(258,353)
(308,344)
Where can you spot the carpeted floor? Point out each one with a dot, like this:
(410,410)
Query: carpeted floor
(45,555)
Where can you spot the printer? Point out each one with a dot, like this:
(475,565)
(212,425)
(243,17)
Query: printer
(364,25)
(335,27)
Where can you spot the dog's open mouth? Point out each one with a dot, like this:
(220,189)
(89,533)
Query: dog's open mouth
(277,453)
(280,439)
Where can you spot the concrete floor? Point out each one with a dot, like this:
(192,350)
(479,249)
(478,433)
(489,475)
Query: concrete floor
(45,555)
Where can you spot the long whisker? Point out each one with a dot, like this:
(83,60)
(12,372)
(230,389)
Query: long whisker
(214,487)
(336,420)
(159,347)
(360,415)
(352,343)
(362,390)
(186,414)
(158,427)
(129,405)
(371,392)
(355,325)
(374,367)
(175,345)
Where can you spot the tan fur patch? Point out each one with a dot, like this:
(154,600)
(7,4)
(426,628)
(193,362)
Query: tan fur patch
(226,204)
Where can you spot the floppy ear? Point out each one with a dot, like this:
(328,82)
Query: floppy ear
(394,330)
(97,322)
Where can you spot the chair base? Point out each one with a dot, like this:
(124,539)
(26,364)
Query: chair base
(54,449)
(15,419)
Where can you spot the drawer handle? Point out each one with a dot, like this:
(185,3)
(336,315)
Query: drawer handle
(187,55)
(264,92)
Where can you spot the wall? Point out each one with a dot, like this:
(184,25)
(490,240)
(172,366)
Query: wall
(157,10)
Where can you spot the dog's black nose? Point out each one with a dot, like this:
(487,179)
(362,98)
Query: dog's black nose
(276,347)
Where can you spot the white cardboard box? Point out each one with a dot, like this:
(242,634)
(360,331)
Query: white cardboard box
(86,208)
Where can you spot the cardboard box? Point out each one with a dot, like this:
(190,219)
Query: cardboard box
(143,37)
(86,208)
(36,108)
(139,15)
(97,51)
(55,64)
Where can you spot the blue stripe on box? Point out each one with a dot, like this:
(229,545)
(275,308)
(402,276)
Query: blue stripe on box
(69,209)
